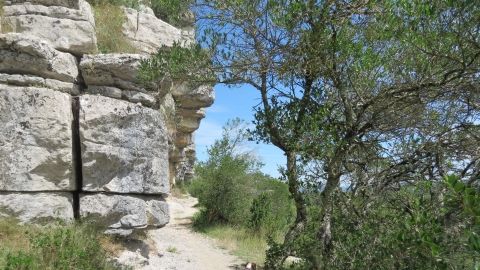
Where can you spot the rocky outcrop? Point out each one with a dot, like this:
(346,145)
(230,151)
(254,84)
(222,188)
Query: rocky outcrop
(147,33)
(82,136)
(122,214)
(29,55)
(37,207)
(68,25)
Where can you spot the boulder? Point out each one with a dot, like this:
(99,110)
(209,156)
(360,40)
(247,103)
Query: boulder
(193,97)
(122,214)
(67,29)
(27,80)
(124,147)
(116,70)
(35,139)
(29,55)
(36,207)
(147,33)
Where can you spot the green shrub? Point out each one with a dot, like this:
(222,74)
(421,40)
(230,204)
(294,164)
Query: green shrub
(223,186)
(272,211)
(54,247)
(171,11)
(426,225)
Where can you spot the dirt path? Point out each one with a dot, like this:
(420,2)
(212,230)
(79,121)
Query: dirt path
(176,246)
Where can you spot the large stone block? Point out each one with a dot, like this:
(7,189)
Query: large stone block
(117,70)
(147,33)
(70,30)
(29,55)
(124,147)
(39,82)
(37,207)
(121,214)
(35,139)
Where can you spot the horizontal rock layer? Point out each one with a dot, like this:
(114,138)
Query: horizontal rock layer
(29,55)
(37,207)
(69,28)
(121,214)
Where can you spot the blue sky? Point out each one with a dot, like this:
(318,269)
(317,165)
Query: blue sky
(231,103)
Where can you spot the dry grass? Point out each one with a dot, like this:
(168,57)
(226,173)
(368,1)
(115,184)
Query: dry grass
(14,237)
(244,244)
(109,20)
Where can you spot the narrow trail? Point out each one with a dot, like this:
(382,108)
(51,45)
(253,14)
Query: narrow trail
(177,247)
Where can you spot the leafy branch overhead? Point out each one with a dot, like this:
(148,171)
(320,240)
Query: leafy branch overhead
(368,100)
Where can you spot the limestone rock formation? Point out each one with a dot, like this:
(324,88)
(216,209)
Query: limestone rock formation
(147,33)
(29,55)
(82,136)
(68,25)
(37,207)
(124,147)
(122,214)
(116,76)
(35,139)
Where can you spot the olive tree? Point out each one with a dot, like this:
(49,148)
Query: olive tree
(361,96)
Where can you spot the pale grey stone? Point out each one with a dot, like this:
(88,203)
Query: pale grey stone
(117,70)
(106,91)
(29,55)
(121,214)
(139,97)
(193,97)
(35,139)
(70,30)
(39,82)
(36,207)
(147,33)
(124,147)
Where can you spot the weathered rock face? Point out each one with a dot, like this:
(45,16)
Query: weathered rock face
(37,207)
(122,214)
(124,147)
(148,33)
(35,139)
(116,76)
(81,135)
(68,25)
(24,54)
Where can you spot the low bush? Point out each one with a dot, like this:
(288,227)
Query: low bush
(426,225)
(222,183)
(66,247)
